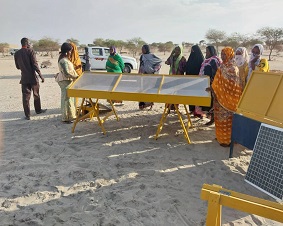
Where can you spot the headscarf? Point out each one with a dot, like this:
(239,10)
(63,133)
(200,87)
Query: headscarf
(229,55)
(149,63)
(207,61)
(194,62)
(243,58)
(114,50)
(146,48)
(75,59)
(260,47)
(177,60)
(212,50)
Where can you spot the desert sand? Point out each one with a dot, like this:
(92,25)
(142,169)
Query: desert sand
(50,176)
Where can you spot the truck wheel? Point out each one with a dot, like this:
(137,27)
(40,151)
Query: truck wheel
(127,68)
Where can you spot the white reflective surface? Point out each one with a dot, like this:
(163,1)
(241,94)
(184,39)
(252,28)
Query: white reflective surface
(148,84)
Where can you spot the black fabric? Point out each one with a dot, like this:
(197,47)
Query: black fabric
(212,51)
(194,62)
(26,93)
(25,61)
(146,48)
(210,70)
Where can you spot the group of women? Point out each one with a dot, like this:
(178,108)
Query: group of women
(228,77)
(70,68)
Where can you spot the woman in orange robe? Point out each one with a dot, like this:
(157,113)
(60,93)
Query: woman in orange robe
(75,59)
(227,92)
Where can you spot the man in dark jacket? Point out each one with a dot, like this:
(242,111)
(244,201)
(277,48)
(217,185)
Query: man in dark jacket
(25,61)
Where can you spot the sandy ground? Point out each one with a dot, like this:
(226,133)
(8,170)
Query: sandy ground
(49,176)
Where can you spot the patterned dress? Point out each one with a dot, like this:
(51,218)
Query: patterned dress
(227,90)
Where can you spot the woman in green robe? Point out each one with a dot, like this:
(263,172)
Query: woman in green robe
(115,62)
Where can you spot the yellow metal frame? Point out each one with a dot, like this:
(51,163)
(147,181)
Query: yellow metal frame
(164,116)
(93,112)
(218,197)
(262,98)
(130,96)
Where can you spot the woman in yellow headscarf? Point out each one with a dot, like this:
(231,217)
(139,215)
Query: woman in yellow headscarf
(227,92)
(75,59)
(257,63)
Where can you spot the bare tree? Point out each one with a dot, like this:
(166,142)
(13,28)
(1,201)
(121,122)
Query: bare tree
(154,45)
(215,36)
(99,42)
(273,37)
(249,41)
(166,47)
(131,47)
(135,44)
(234,40)
(46,44)
(187,45)
(120,44)
(109,42)
(73,40)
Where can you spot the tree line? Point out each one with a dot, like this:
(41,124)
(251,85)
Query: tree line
(272,38)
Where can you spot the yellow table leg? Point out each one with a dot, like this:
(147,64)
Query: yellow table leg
(164,116)
(93,112)
(96,109)
(78,115)
(162,120)
(113,111)
(182,124)
(214,210)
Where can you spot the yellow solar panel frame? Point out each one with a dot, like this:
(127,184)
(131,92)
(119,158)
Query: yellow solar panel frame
(262,98)
(138,96)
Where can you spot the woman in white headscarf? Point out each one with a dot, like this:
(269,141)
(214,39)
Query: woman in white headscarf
(242,61)
(256,63)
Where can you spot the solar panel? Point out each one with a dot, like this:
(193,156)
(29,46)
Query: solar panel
(265,171)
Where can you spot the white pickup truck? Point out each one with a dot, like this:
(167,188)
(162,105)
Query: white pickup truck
(98,56)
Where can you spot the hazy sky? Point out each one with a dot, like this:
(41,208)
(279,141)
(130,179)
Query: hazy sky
(152,20)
